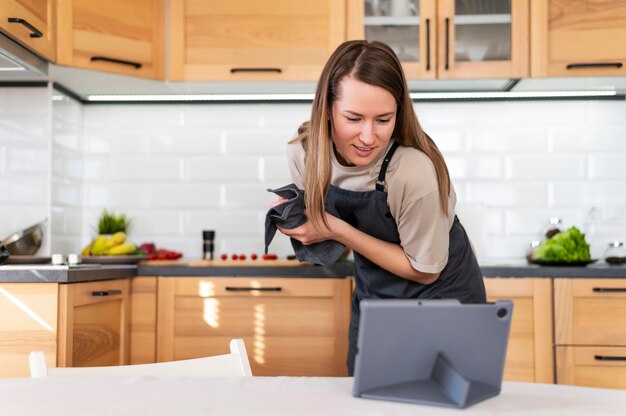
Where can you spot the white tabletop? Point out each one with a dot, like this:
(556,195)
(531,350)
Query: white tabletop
(275,396)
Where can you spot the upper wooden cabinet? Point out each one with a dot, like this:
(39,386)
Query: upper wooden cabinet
(253,40)
(121,36)
(447,38)
(30,22)
(578,38)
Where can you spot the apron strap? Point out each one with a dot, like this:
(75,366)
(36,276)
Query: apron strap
(380,182)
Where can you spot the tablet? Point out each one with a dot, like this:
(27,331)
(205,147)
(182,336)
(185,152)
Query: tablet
(435,352)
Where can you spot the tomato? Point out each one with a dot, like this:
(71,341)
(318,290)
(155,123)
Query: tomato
(253,256)
(224,256)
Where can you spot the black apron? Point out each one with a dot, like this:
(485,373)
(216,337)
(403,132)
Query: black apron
(368,211)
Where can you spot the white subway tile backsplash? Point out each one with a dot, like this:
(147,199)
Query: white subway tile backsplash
(28,160)
(499,140)
(546,167)
(475,167)
(510,194)
(448,140)
(154,222)
(220,116)
(66,194)
(150,169)
(184,196)
(30,191)
(223,222)
(607,166)
(276,169)
(26,100)
(221,169)
(182,142)
(536,221)
(248,196)
(606,114)
(257,141)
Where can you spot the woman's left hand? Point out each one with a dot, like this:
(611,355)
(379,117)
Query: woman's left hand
(307,234)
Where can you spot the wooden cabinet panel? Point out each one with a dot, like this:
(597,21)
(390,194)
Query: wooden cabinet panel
(93,323)
(35,27)
(590,312)
(28,322)
(126,37)
(143,317)
(591,366)
(578,38)
(244,40)
(529,354)
(290,326)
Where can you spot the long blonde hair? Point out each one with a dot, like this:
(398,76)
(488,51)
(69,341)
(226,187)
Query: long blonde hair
(376,64)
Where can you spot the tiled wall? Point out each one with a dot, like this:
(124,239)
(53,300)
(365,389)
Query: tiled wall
(67,175)
(24,159)
(178,169)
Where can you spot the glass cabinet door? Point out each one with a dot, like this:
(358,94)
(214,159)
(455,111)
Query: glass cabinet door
(483,38)
(408,26)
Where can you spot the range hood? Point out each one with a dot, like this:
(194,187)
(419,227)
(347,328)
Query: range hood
(17,64)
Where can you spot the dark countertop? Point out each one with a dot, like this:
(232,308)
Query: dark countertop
(86,273)
(338,270)
(63,274)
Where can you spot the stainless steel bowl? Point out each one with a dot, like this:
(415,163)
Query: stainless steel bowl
(4,253)
(25,242)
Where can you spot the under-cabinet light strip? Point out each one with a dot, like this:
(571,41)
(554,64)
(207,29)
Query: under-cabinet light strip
(309,97)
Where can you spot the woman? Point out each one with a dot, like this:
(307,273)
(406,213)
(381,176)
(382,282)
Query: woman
(364,153)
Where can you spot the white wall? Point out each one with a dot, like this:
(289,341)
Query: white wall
(177,169)
(24,159)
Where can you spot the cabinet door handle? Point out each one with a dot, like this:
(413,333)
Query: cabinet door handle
(106,292)
(609,289)
(136,65)
(36,32)
(428,44)
(447,43)
(249,289)
(595,65)
(608,358)
(235,70)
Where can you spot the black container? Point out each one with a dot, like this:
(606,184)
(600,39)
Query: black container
(4,253)
(208,245)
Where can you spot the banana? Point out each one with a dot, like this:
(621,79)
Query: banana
(99,245)
(115,240)
(87,250)
(120,249)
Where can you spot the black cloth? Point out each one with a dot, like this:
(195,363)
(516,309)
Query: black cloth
(290,214)
(368,211)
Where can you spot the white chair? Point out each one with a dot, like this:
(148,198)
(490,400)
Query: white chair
(234,364)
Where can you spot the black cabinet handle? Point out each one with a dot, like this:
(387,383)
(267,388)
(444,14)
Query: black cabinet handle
(608,358)
(249,289)
(235,70)
(609,289)
(428,44)
(136,65)
(36,32)
(596,65)
(447,43)
(106,292)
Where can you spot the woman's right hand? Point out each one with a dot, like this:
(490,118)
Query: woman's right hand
(280,201)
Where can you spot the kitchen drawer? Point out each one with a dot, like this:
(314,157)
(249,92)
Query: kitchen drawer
(590,312)
(291,326)
(592,366)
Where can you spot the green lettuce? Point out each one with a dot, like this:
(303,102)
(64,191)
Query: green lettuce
(567,246)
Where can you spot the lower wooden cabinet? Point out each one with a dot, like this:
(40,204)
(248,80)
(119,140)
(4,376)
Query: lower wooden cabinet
(78,324)
(93,323)
(590,332)
(591,366)
(291,326)
(529,355)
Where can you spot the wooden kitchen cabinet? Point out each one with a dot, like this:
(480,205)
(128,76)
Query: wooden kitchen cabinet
(590,332)
(125,37)
(242,40)
(529,355)
(446,38)
(291,326)
(77,324)
(31,23)
(578,38)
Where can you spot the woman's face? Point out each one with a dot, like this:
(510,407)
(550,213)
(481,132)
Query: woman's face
(362,122)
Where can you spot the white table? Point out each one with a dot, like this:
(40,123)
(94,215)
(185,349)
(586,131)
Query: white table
(275,396)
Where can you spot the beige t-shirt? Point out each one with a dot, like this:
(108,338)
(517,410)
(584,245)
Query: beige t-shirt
(412,197)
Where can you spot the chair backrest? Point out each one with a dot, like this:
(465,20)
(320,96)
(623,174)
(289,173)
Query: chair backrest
(234,364)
